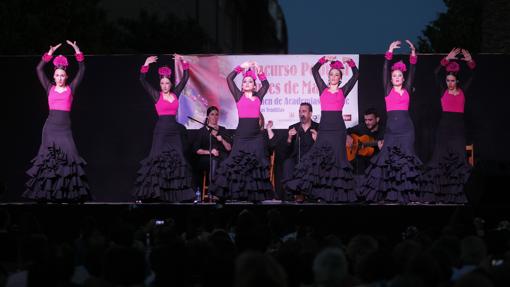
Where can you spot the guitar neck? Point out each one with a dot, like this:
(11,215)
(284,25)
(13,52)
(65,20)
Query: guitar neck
(369,144)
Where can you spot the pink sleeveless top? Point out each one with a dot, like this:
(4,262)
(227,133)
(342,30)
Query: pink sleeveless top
(397,102)
(166,108)
(453,103)
(332,101)
(60,101)
(247,108)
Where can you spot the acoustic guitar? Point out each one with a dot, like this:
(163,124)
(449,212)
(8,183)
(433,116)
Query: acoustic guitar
(362,145)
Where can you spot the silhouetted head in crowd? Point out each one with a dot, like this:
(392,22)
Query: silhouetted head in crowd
(375,267)
(124,266)
(472,250)
(404,251)
(255,269)
(330,268)
(474,279)
(360,246)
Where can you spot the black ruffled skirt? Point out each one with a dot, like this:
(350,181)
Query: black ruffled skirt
(57,171)
(165,174)
(448,170)
(244,174)
(324,172)
(394,174)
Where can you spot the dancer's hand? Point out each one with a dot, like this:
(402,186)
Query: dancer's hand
(411,46)
(74,45)
(245,65)
(453,54)
(330,58)
(467,56)
(394,45)
(257,67)
(53,48)
(219,138)
(150,60)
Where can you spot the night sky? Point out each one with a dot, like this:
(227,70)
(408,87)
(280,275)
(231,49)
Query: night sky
(362,26)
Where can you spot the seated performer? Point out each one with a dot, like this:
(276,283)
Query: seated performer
(364,141)
(212,144)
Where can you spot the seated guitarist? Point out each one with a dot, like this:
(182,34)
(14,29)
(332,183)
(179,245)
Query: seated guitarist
(365,140)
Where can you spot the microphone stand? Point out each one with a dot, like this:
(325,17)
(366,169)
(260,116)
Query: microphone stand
(299,147)
(210,127)
(210,166)
(299,138)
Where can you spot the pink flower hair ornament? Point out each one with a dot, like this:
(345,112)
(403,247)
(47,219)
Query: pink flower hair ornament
(452,67)
(164,72)
(399,66)
(60,62)
(336,65)
(250,73)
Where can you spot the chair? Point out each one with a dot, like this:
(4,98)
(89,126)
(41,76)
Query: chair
(271,169)
(470,151)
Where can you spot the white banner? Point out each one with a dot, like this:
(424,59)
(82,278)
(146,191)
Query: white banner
(291,83)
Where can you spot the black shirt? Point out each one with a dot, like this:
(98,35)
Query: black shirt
(202,141)
(302,142)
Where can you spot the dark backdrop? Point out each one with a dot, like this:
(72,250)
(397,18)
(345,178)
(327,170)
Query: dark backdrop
(113,118)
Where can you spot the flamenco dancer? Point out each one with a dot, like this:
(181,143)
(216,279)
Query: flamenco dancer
(324,174)
(244,175)
(57,173)
(448,169)
(165,174)
(393,175)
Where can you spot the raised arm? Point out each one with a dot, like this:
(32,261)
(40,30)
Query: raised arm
(439,75)
(439,72)
(81,71)
(355,74)
(413,59)
(386,67)
(265,84)
(185,76)
(236,92)
(143,72)
(45,82)
(470,72)
(81,65)
(43,79)
(317,77)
